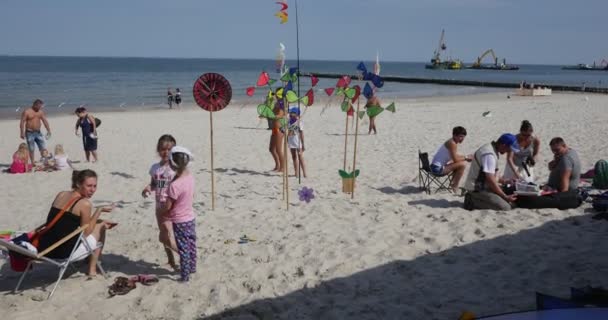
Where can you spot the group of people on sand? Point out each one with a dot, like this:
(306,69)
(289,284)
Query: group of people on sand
(173,186)
(485,188)
(295,135)
(30,129)
(174,98)
(295,139)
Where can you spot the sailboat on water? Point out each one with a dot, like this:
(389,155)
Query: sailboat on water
(437,63)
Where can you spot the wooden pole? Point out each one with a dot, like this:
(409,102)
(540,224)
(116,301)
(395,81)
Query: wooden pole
(212,177)
(285,162)
(345,141)
(352,196)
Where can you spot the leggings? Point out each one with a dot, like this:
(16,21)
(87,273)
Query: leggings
(185,238)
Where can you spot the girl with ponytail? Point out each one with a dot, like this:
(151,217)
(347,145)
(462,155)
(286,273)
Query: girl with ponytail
(178,209)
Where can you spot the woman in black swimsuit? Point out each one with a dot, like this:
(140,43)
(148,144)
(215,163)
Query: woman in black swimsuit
(178,97)
(79,213)
(170,98)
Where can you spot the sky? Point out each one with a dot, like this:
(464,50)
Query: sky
(522,31)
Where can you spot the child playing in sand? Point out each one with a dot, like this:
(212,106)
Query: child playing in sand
(161,175)
(47,162)
(178,209)
(21,159)
(295,140)
(62,161)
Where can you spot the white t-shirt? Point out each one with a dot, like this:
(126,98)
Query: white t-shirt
(488,162)
(162,177)
(293,139)
(61,162)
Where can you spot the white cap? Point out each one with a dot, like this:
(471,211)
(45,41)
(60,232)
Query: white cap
(180,149)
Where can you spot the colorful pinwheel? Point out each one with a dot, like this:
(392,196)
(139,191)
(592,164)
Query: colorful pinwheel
(282,13)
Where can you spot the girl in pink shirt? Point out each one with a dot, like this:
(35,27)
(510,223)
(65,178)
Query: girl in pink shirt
(21,159)
(178,209)
(161,175)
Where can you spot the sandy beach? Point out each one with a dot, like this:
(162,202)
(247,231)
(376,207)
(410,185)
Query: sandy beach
(393,252)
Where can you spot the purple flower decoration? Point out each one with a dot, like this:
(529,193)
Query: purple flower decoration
(306,194)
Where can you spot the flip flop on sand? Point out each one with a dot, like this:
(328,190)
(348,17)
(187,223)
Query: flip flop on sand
(121,286)
(244,239)
(145,279)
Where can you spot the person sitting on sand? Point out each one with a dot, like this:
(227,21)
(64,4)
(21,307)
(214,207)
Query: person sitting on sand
(526,158)
(482,184)
(47,162)
(78,213)
(21,159)
(448,160)
(565,167)
(62,161)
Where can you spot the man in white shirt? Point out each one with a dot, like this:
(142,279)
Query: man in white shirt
(483,183)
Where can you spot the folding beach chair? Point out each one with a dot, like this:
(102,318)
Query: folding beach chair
(62,264)
(426,177)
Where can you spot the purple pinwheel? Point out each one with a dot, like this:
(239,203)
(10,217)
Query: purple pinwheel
(306,194)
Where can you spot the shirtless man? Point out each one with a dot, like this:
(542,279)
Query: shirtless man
(30,128)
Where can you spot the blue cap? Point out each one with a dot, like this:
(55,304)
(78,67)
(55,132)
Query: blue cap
(295,110)
(508,140)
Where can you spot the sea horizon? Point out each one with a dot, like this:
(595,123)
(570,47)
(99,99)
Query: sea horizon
(128,82)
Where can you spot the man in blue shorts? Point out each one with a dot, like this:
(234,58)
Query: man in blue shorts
(31,122)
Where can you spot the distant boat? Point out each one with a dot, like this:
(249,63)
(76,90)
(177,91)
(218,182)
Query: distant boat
(496,66)
(585,67)
(437,63)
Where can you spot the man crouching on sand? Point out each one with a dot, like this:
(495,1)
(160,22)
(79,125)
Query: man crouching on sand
(483,184)
(29,128)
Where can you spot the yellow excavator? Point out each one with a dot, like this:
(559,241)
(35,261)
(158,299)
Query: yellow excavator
(494,66)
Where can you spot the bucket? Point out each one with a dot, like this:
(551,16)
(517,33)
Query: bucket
(348,185)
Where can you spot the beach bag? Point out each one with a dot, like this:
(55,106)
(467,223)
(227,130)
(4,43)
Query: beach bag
(600,180)
(97,122)
(31,239)
(18,262)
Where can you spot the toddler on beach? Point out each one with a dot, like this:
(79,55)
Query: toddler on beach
(178,209)
(295,140)
(62,161)
(161,175)
(21,159)
(47,161)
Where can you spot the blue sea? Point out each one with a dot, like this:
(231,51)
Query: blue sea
(97,82)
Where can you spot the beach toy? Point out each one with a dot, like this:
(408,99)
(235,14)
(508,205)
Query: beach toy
(306,194)
(212,92)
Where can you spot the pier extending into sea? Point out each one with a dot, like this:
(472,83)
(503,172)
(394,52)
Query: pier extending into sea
(453,82)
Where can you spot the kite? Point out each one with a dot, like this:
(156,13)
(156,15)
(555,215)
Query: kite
(250,91)
(282,14)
